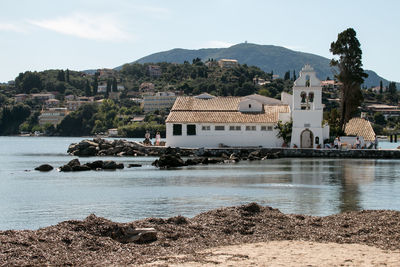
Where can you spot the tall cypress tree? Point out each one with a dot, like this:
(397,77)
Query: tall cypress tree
(67,76)
(88,90)
(114,85)
(351,73)
(95,85)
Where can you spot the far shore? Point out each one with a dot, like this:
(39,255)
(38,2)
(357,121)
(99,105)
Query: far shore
(243,235)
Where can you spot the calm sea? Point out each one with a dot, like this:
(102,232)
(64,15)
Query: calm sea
(30,199)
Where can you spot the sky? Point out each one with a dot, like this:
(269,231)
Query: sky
(36,35)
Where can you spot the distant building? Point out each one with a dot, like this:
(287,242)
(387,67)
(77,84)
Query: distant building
(228,63)
(377,89)
(146,87)
(386,110)
(260,81)
(112,132)
(106,73)
(42,97)
(330,85)
(154,70)
(138,118)
(52,115)
(69,97)
(159,101)
(52,103)
(21,98)
(114,95)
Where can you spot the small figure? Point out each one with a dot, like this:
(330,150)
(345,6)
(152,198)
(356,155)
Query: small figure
(358,143)
(336,143)
(158,139)
(147,138)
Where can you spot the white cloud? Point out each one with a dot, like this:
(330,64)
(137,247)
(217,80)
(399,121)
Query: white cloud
(9,27)
(217,44)
(95,27)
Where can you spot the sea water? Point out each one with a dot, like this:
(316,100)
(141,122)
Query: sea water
(30,199)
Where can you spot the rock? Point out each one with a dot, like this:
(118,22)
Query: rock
(74,162)
(87,143)
(134,165)
(120,166)
(44,168)
(215,160)
(98,164)
(234,157)
(79,168)
(87,152)
(195,161)
(66,168)
(72,147)
(109,165)
(168,161)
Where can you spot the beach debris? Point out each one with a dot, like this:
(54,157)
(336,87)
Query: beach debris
(98,241)
(44,168)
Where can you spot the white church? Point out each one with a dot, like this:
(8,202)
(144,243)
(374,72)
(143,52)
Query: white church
(209,121)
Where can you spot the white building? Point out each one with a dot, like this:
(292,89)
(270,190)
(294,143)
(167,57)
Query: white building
(307,111)
(208,121)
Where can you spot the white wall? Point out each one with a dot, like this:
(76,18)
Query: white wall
(301,117)
(213,138)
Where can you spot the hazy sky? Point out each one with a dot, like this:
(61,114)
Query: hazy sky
(85,34)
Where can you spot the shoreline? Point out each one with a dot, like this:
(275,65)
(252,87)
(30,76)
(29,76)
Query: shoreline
(180,240)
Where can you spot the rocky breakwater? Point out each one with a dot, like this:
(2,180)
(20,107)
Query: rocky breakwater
(172,158)
(103,147)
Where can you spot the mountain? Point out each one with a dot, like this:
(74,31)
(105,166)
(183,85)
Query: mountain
(267,57)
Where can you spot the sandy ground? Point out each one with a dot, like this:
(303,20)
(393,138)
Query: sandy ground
(293,253)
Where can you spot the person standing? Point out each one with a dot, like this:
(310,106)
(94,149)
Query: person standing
(358,143)
(158,139)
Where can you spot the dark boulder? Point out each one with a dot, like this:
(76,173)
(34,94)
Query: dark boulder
(98,164)
(44,168)
(74,162)
(79,168)
(110,165)
(169,161)
(87,151)
(66,168)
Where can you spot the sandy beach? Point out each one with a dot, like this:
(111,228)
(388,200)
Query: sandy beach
(291,253)
(248,235)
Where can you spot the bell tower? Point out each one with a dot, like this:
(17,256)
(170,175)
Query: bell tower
(307,111)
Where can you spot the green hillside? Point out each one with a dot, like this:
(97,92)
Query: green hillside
(267,57)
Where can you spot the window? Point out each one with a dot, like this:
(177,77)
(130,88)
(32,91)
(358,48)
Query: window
(311,97)
(191,129)
(303,96)
(263,128)
(205,128)
(317,140)
(220,128)
(250,128)
(269,128)
(249,105)
(177,129)
(235,128)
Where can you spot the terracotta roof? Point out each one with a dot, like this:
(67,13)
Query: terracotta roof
(360,127)
(270,115)
(187,103)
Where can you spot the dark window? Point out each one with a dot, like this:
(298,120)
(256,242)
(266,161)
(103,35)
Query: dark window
(311,97)
(220,128)
(191,129)
(249,105)
(177,129)
(317,140)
